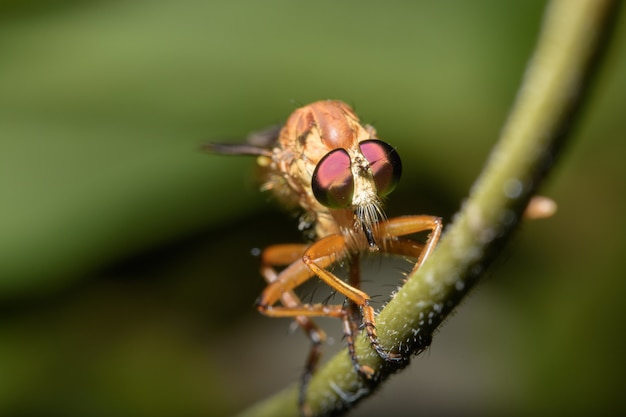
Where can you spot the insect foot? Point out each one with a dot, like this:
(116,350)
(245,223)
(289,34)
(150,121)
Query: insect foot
(370,330)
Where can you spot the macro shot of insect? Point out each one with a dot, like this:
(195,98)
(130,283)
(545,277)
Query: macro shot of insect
(337,172)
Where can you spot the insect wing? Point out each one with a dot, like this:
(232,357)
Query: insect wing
(257,143)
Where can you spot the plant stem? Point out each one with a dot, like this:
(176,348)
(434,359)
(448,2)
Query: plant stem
(557,81)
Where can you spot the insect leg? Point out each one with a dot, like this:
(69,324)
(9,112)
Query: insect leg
(406,225)
(317,257)
(280,255)
(353,315)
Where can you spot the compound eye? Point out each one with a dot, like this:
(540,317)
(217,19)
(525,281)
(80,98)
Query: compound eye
(385,164)
(332,181)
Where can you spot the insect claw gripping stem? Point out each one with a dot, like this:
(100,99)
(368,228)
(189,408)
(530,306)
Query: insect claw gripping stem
(370,329)
(349,331)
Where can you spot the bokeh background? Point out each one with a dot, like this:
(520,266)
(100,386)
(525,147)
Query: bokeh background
(127,278)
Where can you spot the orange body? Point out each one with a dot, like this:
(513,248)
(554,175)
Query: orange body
(337,171)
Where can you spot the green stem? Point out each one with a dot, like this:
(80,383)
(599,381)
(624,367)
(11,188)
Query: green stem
(556,83)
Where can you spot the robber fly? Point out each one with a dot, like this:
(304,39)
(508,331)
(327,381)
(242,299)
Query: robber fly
(336,170)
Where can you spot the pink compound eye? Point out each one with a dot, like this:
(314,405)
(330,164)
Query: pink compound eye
(332,181)
(385,164)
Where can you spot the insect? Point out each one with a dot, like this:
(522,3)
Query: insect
(337,172)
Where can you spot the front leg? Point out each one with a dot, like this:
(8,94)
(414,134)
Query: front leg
(322,253)
(406,225)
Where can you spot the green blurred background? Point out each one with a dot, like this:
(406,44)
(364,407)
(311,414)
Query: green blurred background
(127,281)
